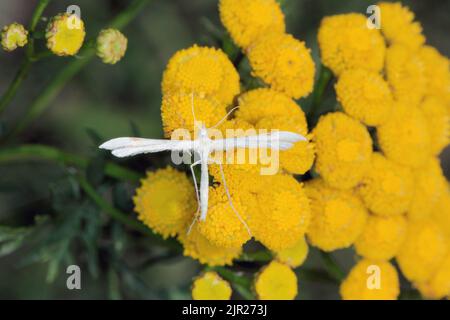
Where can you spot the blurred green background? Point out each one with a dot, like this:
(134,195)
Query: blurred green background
(116,101)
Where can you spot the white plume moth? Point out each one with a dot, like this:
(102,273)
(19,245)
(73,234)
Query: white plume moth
(203,146)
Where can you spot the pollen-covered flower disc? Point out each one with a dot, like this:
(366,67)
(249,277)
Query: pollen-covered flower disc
(196,246)
(203,71)
(423,250)
(404,137)
(284,213)
(346,43)
(362,281)
(165,201)
(440,214)
(13,36)
(276,281)
(429,185)
(210,286)
(222,227)
(337,216)
(247,20)
(364,95)
(382,237)
(65,34)
(437,116)
(398,25)
(294,256)
(176,112)
(438,286)
(437,71)
(405,73)
(284,63)
(343,150)
(387,188)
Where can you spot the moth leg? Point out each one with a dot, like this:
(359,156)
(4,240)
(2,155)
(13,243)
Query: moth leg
(229,200)
(196,194)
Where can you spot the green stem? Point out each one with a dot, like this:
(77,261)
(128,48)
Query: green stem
(332,267)
(42,102)
(325,76)
(258,256)
(35,151)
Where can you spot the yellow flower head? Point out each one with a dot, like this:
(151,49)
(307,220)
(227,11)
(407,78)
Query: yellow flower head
(299,159)
(343,150)
(422,252)
(165,201)
(176,112)
(438,286)
(437,71)
(196,246)
(210,286)
(441,212)
(258,104)
(65,34)
(346,43)
(337,216)
(405,72)
(247,20)
(429,185)
(111,45)
(284,63)
(382,237)
(364,95)
(387,188)
(437,116)
(398,26)
(204,71)
(283,215)
(276,281)
(294,256)
(404,137)
(361,282)
(222,227)
(13,36)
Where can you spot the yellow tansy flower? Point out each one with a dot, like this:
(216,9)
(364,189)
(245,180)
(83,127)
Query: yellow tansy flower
(65,34)
(276,281)
(429,185)
(398,26)
(422,252)
(165,201)
(404,137)
(387,188)
(437,71)
(346,43)
(210,286)
(176,112)
(294,256)
(196,246)
(337,216)
(405,72)
(343,150)
(203,71)
(437,116)
(441,212)
(247,20)
(382,237)
(364,95)
(359,285)
(284,63)
(222,227)
(438,286)
(111,45)
(13,36)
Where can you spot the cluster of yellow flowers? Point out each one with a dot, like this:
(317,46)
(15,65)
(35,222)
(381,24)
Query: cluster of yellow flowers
(397,197)
(65,34)
(380,187)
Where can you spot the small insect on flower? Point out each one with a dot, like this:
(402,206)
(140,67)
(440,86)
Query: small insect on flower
(203,146)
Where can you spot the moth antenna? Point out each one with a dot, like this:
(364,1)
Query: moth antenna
(231,203)
(223,119)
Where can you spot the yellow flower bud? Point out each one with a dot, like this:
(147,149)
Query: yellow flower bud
(111,45)
(65,34)
(13,36)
